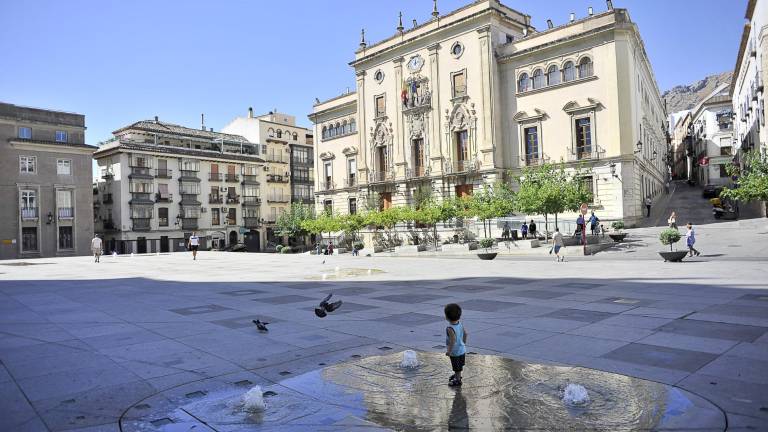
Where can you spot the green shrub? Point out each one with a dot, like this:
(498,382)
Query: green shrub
(618,225)
(278,248)
(486,243)
(359,245)
(285,250)
(669,237)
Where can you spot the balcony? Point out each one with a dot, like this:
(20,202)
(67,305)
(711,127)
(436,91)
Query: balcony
(107,199)
(189,223)
(231,221)
(251,222)
(109,225)
(232,178)
(164,197)
(141,224)
(140,172)
(189,199)
(350,181)
(535,159)
(250,179)
(215,177)
(108,175)
(233,199)
(163,173)
(416,172)
(189,175)
(381,176)
(327,185)
(277,159)
(587,154)
(274,178)
(464,165)
(66,212)
(29,213)
(215,199)
(302,161)
(145,197)
(278,199)
(251,201)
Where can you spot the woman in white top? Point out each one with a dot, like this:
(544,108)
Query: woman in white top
(672,221)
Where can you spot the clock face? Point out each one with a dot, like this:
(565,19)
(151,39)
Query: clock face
(415,63)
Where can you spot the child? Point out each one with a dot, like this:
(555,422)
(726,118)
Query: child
(455,342)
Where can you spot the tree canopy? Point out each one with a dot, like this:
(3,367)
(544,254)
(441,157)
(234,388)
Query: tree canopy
(752,182)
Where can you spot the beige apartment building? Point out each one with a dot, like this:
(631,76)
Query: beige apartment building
(45,183)
(288,153)
(473,96)
(160,182)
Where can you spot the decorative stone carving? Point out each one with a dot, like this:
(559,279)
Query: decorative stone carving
(349,151)
(327,156)
(415,63)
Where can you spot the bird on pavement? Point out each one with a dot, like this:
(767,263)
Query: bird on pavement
(262,326)
(324,308)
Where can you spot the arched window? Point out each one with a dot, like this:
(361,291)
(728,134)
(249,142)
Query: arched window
(569,72)
(585,68)
(344,127)
(523,83)
(338,129)
(271,132)
(279,133)
(352,126)
(538,79)
(295,136)
(325,132)
(553,75)
(331,131)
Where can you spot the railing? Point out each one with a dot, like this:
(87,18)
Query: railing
(465,165)
(163,173)
(231,221)
(141,171)
(109,225)
(350,181)
(107,175)
(274,178)
(233,199)
(189,223)
(66,212)
(278,199)
(302,161)
(277,159)
(29,212)
(189,174)
(107,199)
(381,176)
(251,200)
(419,171)
(250,178)
(163,197)
(141,224)
(215,176)
(232,178)
(215,199)
(535,160)
(251,222)
(186,197)
(141,196)
(583,155)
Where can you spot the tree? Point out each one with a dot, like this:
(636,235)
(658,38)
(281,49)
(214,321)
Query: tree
(491,202)
(351,224)
(325,222)
(752,182)
(290,223)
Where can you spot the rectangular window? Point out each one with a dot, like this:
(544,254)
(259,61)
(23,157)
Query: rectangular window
(28,204)
(65,237)
(723,171)
(381,106)
(462,147)
(263,149)
(215,217)
(64,205)
(232,216)
(162,216)
(531,145)
(352,171)
(459,83)
(28,164)
(588,185)
(61,136)
(418,157)
(328,171)
(273,214)
(64,167)
(583,138)
(352,205)
(29,239)
(328,206)
(25,133)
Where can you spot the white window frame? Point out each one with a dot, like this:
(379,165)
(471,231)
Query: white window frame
(28,160)
(25,128)
(60,163)
(62,136)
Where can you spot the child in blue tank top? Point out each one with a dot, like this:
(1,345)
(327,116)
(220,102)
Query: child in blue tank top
(455,342)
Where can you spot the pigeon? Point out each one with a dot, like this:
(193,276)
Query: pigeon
(324,308)
(262,326)
(323,261)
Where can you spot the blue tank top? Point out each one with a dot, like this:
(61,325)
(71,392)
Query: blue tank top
(458,348)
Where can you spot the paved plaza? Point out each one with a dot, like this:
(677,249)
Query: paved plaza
(82,343)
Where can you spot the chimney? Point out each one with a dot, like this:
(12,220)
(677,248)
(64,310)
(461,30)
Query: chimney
(609,3)
(590,11)
(211,129)
(250,112)
(525,32)
(202,121)
(549,24)
(573,17)
(156,119)
(414,23)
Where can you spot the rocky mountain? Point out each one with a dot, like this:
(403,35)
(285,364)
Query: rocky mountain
(685,97)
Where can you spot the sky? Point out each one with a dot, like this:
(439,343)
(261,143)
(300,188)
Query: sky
(120,61)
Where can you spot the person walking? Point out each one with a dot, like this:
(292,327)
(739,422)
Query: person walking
(557,244)
(690,240)
(648,203)
(580,227)
(594,221)
(672,221)
(505,231)
(330,247)
(96,248)
(193,244)
(532,229)
(524,230)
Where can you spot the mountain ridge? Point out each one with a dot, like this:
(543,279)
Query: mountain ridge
(686,97)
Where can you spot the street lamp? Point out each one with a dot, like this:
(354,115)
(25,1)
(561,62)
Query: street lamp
(655,154)
(613,170)
(178,219)
(639,146)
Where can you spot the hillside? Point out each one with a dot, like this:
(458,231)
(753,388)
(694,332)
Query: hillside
(685,97)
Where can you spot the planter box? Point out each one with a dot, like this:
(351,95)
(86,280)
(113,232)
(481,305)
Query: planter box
(410,249)
(459,247)
(487,256)
(618,238)
(676,256)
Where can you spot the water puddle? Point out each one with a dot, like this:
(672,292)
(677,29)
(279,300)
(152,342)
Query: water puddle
(345,273)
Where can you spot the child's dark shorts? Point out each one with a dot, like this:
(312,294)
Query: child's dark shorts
(457,363)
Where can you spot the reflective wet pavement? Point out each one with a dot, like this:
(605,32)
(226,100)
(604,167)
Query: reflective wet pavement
(375,393)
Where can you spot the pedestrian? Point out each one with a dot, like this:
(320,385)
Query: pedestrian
(602,230)
(690,240)
(192,244)
(455,342)
(672,221)
(330,247)
(532,229)
(557,244)
(317,248)
(648,206)
(96,248)
(593,223)
(505,231)
(580,227)
(524,230)
(354,249)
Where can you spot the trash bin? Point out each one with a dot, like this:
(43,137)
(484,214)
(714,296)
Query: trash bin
(514,235)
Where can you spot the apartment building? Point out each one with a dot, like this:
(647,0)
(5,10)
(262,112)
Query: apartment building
(160,182)
(278,135)
(712,139)
(45,183)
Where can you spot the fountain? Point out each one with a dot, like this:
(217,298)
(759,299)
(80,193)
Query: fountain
(575,395)
(253,401)
(410,360)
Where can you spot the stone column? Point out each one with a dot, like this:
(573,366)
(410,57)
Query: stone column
(398,145)
(362,129)
(435,131)
(485,140)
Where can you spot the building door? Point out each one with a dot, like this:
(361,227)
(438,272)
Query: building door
(462,149)
(386,200)
(141,245)
(232,238)
(463,191)
(252,241)
(418,157)
(164,245)
(381,159)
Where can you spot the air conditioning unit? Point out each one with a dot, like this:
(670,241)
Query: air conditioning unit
(203,210)
(222,189)
(224,209)
(266,168)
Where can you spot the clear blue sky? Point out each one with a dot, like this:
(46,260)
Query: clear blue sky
(121,61)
